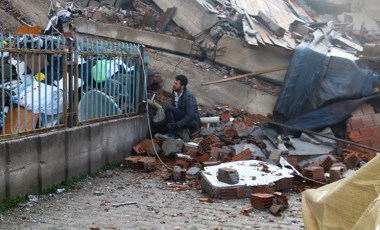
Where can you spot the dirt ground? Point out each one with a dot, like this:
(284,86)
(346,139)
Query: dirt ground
(121,199)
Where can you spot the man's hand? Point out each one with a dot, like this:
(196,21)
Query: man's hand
(172,126)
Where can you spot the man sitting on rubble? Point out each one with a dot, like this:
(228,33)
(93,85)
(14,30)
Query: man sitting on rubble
(182,117)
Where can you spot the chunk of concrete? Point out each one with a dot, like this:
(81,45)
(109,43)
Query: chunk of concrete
(193,16)
(193,171)
(171,145)
(228,175)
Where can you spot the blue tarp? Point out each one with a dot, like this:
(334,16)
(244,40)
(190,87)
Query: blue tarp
(320,75)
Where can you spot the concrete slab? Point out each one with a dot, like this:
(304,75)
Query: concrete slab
(238,54)
(233,93)
(191,15)
(162,41)
(252,177)
(303,148)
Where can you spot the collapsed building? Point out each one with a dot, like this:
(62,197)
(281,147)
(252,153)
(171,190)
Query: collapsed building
(328,73)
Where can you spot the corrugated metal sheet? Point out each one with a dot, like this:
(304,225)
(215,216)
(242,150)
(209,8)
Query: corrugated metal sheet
(282,14)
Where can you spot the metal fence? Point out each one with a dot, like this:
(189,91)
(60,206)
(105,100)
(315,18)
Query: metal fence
(54,82)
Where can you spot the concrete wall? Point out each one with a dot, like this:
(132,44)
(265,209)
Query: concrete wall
(32,164)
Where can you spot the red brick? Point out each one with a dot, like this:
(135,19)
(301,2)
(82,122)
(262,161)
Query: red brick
(335,174)
(225,116)
(276,209)
(367,121)
(130,161)
(327,163)
(315,173)
(203,157)
(262,201)
(281,199)
(230,132)
(352,160)
(293,160)
(283,184)
(355,123)
(182,163)
(357,112)
(367,109)
(139,150)
(376,118)
(215,152)
(261,189)
(240,193)
(366,132)
(146,164)
(244,155)
(227,193)
(366,142)
(352,135)
(205,144)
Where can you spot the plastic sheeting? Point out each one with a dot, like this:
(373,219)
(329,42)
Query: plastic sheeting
(320,74)
(350,203)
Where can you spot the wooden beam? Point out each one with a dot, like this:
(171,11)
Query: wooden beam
(248,75)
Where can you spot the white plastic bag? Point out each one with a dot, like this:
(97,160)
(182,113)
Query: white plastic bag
(41,98)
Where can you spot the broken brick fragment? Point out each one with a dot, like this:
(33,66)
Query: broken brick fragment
(246,154)
(276,209)
(225,117)
(352,160)
(262,201)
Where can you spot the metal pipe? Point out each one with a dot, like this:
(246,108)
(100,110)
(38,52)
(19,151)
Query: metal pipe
(205,120)
(322,135)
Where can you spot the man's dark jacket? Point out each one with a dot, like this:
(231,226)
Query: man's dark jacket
(188,104)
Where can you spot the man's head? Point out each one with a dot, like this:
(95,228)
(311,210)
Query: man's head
(180,83)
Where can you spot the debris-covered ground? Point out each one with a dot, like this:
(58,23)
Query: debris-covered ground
(121,199)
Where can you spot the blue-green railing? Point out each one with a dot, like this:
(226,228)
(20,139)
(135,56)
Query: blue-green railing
(54,82)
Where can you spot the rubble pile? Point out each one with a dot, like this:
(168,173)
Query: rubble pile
(247,156)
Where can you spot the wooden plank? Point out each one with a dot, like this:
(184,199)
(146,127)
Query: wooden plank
(248,75)
(273,25)
(264,35)
(300,11)
(26,121)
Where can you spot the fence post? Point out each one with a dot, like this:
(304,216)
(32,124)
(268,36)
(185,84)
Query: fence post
(71,96)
